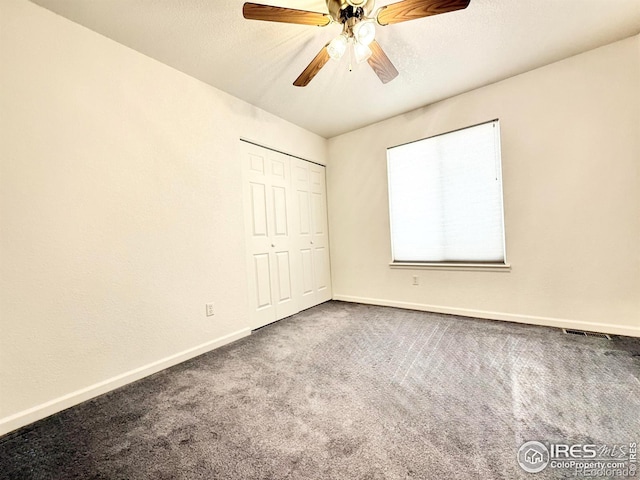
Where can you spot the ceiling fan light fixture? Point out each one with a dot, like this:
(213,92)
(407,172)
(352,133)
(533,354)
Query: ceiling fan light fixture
(361,52)
(365,32)
(358,19)
(338,46)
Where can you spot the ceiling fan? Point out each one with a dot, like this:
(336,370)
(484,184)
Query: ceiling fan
(358,20)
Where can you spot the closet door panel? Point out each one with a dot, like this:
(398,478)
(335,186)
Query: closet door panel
(258,212)
(287,241)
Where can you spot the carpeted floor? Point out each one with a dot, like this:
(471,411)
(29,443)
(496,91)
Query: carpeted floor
(345,391)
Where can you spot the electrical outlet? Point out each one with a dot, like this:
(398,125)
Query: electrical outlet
(209,309)
(416,280)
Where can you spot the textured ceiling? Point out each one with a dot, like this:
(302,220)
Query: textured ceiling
(437,57)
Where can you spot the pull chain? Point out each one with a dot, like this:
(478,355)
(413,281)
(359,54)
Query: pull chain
(350,56)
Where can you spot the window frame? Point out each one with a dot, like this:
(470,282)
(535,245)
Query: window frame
(503,266)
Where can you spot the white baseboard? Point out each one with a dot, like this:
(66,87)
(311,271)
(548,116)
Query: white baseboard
(510,317)
(38,412)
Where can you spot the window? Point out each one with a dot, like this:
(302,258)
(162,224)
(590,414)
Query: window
(445,198)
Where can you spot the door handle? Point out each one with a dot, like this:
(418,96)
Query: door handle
(272,245)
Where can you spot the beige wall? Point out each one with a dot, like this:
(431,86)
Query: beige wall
(120,210)
(571,156)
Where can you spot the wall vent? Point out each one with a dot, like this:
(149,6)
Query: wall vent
(586,334)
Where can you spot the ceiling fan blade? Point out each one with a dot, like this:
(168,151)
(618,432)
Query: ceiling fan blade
(313,68)
(255,11)
(413,9)
(381,63)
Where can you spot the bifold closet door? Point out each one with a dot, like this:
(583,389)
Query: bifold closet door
(270,260)
(310,233)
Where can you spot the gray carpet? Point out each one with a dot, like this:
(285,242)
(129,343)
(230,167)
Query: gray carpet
(346,391)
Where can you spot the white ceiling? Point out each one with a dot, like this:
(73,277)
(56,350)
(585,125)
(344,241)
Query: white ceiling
(437,57)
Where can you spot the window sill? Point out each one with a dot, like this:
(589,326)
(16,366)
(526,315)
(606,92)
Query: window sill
(478,267)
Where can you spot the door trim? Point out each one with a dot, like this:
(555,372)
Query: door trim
(279,151)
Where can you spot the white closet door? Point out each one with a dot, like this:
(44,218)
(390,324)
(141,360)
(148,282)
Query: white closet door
(310,230)
(271,263)
(320,233)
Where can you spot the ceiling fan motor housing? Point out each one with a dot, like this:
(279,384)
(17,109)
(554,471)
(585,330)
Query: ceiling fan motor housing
(343,10)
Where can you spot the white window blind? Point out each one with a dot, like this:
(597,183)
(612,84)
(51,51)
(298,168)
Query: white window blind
(445,197)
